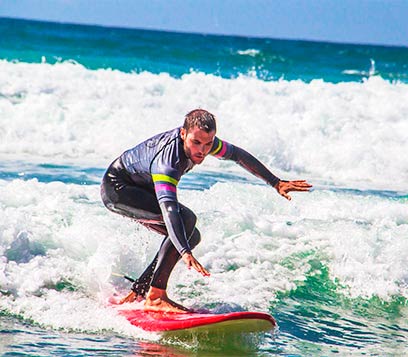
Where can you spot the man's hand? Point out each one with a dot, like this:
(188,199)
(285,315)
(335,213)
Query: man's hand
(283,187)
(193,262)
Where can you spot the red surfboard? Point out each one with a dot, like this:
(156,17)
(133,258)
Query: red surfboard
(167,322)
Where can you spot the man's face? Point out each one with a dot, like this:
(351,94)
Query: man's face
(197,143)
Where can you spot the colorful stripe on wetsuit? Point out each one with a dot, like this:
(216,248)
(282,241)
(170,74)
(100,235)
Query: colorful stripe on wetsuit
(164,185)
(221,149)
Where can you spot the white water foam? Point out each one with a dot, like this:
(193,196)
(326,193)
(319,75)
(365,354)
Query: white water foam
(79,244)
(342,133)
(255,244)
(249,52)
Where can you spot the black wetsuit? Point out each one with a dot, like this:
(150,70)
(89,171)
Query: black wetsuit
(142,184)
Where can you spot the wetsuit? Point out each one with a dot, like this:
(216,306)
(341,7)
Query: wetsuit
(142,184)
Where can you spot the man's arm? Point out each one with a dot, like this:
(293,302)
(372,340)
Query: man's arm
(165,184)
(255,167)
(175,226)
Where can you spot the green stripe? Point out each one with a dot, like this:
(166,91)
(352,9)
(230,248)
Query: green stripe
(164,178)
(218,148)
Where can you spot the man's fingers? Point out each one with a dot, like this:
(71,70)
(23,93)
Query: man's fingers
(192,262)
(300,182)
(202,270)
(289,186)
(284,194)
(197,266)
(299,188)
(299,185)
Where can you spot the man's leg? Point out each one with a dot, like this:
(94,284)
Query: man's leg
(167,258)
(121,196)
(158,272)
(142,284)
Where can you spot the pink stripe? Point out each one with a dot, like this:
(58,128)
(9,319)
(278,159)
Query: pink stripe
(223,150)
(164,187)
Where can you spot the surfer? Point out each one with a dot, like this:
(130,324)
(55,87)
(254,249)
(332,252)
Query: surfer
(142,184)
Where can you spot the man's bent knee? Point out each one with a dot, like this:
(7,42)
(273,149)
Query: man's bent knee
(194,239)
(189,219)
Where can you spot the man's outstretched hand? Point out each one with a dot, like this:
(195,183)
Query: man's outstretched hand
(192,262)
(283,187)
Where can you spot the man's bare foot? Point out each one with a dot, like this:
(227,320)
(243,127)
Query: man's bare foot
(157,300)
(131,297)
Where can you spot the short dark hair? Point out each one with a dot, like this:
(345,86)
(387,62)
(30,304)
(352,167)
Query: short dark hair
(200,118)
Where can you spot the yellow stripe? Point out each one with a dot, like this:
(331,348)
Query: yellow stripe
(218,148)
(164,178)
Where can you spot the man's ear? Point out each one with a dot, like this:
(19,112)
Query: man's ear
(183,134)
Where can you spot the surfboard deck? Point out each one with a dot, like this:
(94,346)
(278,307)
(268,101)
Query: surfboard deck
(167,322)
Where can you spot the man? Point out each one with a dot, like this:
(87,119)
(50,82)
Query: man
(142,184)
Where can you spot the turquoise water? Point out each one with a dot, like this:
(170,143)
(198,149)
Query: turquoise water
(177,54)
(330,265)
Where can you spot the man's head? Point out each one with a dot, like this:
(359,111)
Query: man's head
(198,134)
(200,118)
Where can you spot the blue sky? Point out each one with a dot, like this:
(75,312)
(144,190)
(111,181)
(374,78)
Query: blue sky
(351,21)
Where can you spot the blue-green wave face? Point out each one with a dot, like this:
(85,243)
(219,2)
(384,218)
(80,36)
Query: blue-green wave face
(320,315)
(330,265)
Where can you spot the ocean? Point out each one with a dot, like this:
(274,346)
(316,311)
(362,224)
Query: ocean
(330,265)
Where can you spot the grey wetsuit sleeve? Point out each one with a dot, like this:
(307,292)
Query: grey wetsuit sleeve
(175,226)
(253,165)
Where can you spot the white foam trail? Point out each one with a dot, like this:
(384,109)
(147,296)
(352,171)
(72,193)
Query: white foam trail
(346,132)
